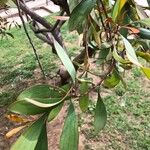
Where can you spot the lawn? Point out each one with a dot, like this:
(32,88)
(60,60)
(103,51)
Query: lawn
(128,126)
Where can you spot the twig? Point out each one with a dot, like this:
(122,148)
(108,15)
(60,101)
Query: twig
(106,15)
(29,38)
(111,67)
(101,18)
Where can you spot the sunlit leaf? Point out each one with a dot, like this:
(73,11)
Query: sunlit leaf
(145,22)
(130,52)
(29,139)
(11,4)
(119,58)
(44,103)
(140,11)
(117,8)
(143,55)
(70,136)
(144,43)
(146,72)
(65,60)
(100,116)
(3,2)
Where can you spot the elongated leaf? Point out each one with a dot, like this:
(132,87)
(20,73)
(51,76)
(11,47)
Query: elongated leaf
(65,60)
(143,55)
(37,99)
(84,100)
(34,106)
(144,43)
(73,4)
(80,13)
(100,116)
(146,72)
(145,22)
(141,13)
(11,4)
(3,2)
(26,108)
(29,139)
(131,52)
(117,8)
(42,141)
(54,112)
(70,136)
(41,91)
(144,33)
(119,58)
(48,104)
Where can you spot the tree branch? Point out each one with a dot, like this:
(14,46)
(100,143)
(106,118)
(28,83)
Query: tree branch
(30,41)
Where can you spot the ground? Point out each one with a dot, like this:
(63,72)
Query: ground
(128,126)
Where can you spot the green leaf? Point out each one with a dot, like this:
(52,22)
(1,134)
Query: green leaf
(37,99)
(103,53)
(54,112)
(80,13)
(26,108)
(41,91)
(144,33)
(112,80)
(65,60)
(11,4)
(34,106)
(130,52)
(3,2)
(141,13)
(42,141)
(105,45)
(70,136)
(73,4)
(146,72)
(143,55)
(144,43)
(119,58)
(145,22)
(117,8)
(44,103)
(100,116)
(84,100)
(29,139)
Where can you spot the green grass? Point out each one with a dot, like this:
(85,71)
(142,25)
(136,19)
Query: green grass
(128,125)
(18,62)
